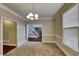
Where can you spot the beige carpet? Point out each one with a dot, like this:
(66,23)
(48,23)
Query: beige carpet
(36,49)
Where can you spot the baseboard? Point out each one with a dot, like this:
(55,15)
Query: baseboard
(65,52)
(48,41)
(57,45)
(21,43)
(62,49)
(9,44)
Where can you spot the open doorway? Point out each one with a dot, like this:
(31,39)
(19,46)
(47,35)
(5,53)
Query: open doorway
(9,35)
(34,32)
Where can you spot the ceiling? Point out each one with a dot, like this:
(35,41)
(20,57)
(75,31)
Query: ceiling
(43,9)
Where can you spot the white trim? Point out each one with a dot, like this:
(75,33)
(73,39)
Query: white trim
(58,36)
(9,44)
(62,49)
(21,43)
(2,18)
(65,51)
(40,19)
(57,45)
(27,32)
(17,32)
(46,18)
(48,41)
(1,35)
(11,11)
(8,19)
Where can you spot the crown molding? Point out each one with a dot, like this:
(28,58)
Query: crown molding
(11,11)
(46,18)
(40,19)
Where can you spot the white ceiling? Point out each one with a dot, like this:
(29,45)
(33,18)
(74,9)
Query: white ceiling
(43,9)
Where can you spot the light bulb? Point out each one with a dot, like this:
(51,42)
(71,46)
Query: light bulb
(27,16)
(36,16)
(32,18)
(30,14)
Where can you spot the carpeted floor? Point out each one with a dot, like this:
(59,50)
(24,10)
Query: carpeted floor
(36,49)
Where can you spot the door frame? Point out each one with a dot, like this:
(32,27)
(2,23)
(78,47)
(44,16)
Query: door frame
(35,24)
(2,18)
(1,35)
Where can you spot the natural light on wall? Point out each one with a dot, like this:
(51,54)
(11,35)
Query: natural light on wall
(70,28)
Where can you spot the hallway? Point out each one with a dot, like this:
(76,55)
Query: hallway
(36,49)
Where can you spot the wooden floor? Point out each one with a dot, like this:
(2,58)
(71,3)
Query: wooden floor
(7,48)
(36,49)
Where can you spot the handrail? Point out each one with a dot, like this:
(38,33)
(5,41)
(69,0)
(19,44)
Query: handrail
(34,28)
(34,31)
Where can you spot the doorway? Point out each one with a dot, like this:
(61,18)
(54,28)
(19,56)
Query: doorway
(34,32)
(9,35)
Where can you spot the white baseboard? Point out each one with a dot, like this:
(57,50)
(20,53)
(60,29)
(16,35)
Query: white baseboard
(57,45)
(62,49)
(48,41)
(67,53)
(9,44)
(21,43)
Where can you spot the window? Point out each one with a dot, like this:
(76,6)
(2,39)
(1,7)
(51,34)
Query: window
(70,28)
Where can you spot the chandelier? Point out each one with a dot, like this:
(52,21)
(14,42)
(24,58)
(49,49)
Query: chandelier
(33,14)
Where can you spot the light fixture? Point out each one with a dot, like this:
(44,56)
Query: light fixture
(27,16)
(32,18)
(30,14)
(36,16)
(33,14)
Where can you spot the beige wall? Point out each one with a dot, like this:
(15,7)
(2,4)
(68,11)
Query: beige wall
(20,25)
(58,18)
(21,32)
(47,28)
(59,29)
(9,31)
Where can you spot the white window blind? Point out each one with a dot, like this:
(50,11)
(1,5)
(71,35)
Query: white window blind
(70,27)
